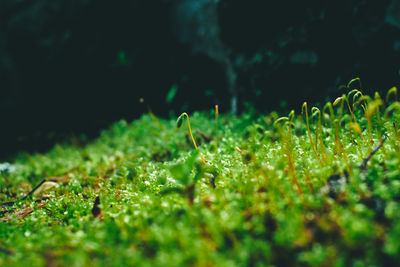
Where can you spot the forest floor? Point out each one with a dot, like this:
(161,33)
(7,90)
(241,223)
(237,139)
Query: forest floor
(320,188)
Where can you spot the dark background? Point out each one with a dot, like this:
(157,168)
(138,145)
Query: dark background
(72,67)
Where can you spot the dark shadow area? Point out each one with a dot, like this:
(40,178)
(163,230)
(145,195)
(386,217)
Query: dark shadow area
(69,68)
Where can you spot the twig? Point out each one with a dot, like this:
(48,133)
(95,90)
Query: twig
(11,203)
(62,179)
(363,166)
(22,213)
(33,190)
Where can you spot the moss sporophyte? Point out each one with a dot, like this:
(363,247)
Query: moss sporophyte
(179,122)
(320,188)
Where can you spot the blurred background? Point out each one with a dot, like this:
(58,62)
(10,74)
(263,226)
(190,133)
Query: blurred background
(72,67)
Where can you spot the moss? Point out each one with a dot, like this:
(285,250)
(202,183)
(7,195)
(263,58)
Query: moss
(312,191)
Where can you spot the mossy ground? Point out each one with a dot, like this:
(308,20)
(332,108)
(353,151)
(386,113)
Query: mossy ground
(272,193)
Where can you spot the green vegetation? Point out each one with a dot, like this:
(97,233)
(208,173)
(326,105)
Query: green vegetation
(310,189)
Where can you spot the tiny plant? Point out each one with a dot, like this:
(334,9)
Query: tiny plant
(304,110)
(216,116)
(179,122)
(318,136)
(289,153)
(344,100)
(357,79)
(392,91)
(391,109)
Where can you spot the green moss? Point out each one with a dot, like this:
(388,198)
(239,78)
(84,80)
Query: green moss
(283,193)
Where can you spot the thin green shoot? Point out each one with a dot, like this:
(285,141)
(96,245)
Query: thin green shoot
(289,155)
(304,110)
(318,136)
(357,79)
(392,91)
(216,117)
(179,122)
